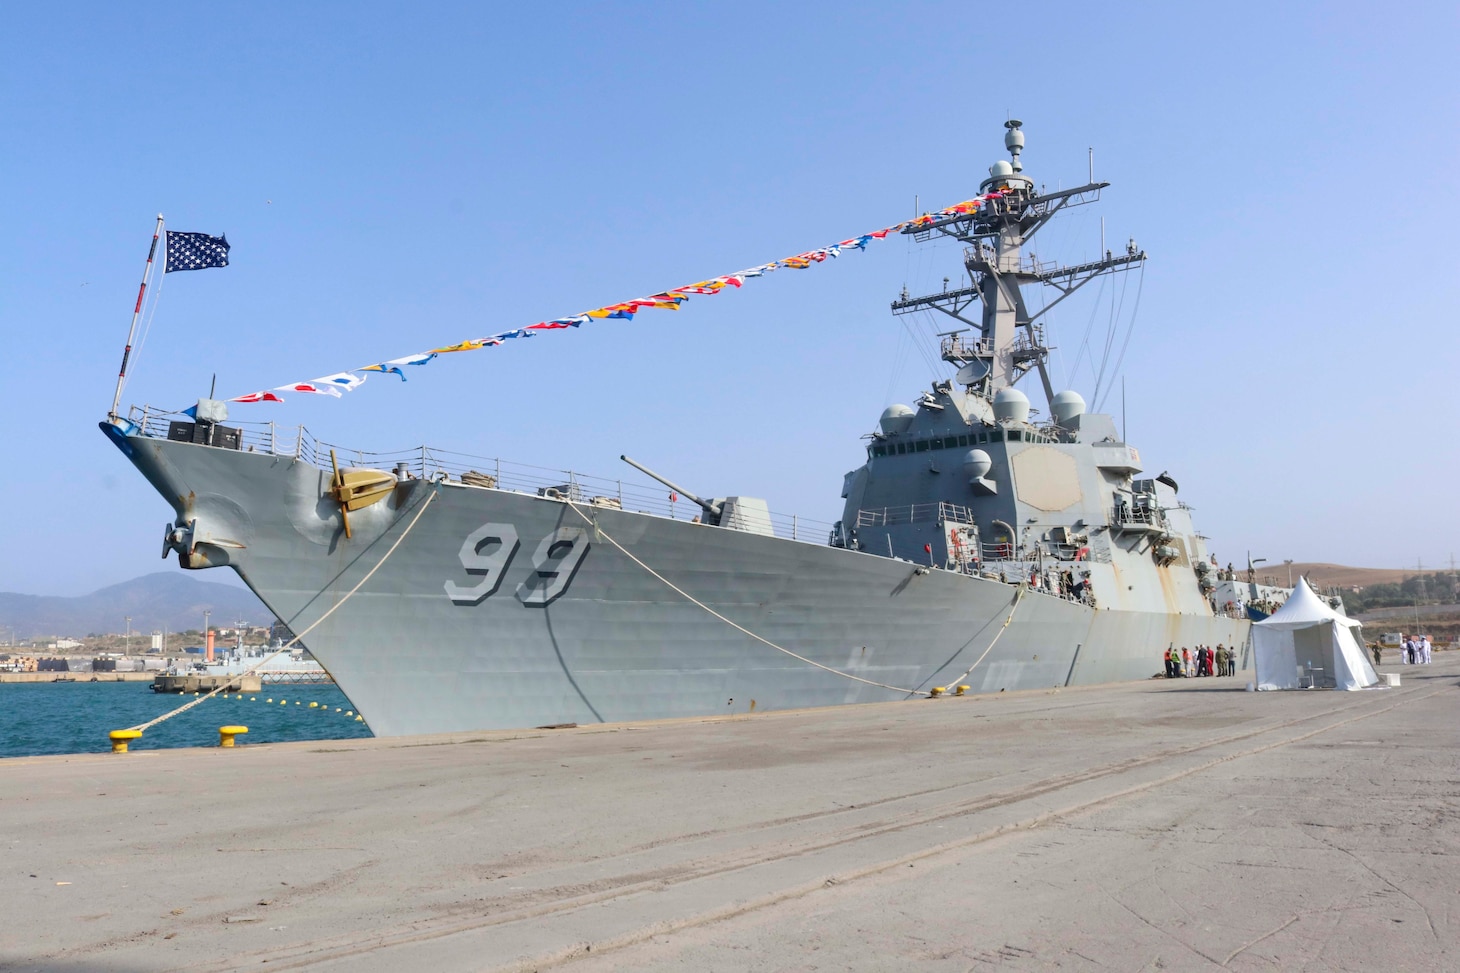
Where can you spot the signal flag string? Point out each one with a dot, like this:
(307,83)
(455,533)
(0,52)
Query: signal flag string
(670,300)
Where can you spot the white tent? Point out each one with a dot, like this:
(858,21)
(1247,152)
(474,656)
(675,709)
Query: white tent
(1307,645)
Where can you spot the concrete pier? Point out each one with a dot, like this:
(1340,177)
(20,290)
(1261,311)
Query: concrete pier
(192,682)
(28,677)
(1181,825)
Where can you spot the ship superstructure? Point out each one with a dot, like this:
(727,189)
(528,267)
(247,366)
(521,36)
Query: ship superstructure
(979,545)
(969,480)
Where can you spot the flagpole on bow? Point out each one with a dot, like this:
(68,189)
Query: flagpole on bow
(136,313)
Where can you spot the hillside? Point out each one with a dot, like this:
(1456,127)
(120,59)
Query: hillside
(168,598)
(1322,575)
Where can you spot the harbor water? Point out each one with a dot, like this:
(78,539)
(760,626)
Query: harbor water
(59,718)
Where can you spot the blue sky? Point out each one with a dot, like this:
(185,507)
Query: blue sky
(393,177)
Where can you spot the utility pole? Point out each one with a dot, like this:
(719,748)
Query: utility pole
(1419,577)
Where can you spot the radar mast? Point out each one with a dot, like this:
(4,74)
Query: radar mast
(1011,339)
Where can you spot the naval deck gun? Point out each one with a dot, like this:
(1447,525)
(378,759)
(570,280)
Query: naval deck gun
(738,513)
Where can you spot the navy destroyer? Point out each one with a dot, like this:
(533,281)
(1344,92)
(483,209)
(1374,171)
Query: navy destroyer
(981,548)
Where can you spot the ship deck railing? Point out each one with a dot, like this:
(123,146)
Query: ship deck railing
(981,252)
(996,553)
(957,347)
(1137,519)
(427,463)
(914,513)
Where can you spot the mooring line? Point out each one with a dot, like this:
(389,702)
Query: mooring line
(765,641)
(140,727)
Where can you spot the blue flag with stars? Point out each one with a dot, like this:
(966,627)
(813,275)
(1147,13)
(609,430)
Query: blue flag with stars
(195,251)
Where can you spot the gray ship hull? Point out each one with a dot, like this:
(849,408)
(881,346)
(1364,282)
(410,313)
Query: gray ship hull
(502,609)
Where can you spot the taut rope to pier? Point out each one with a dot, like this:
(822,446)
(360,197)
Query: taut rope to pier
(1023,588)
(765,641)
(140,727)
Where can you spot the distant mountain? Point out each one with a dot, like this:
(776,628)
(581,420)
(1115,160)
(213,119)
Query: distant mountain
(168,598)
(1322,574)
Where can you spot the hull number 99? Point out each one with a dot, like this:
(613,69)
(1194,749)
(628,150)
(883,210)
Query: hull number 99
(488,551)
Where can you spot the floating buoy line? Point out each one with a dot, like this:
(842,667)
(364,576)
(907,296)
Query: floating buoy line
(121,738)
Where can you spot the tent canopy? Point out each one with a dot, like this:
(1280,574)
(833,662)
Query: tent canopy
(1307,645)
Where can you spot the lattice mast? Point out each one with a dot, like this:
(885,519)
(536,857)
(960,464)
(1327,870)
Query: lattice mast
(1011,338)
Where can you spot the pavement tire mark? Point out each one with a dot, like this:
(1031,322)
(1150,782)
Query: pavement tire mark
(639,882)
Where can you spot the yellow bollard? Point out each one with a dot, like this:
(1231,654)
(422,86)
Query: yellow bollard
(227,733)
(120,739)
(962,689)
(938,690)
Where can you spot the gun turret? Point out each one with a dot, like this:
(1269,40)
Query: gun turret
(711,508)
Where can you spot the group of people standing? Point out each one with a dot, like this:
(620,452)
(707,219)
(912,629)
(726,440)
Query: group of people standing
(1206,661)
(1415,651)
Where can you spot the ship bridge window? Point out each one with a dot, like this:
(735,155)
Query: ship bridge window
(946,442)
(1015,436)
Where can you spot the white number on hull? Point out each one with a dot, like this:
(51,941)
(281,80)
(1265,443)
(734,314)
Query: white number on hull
(553,566)
(491,566)
(554,563)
